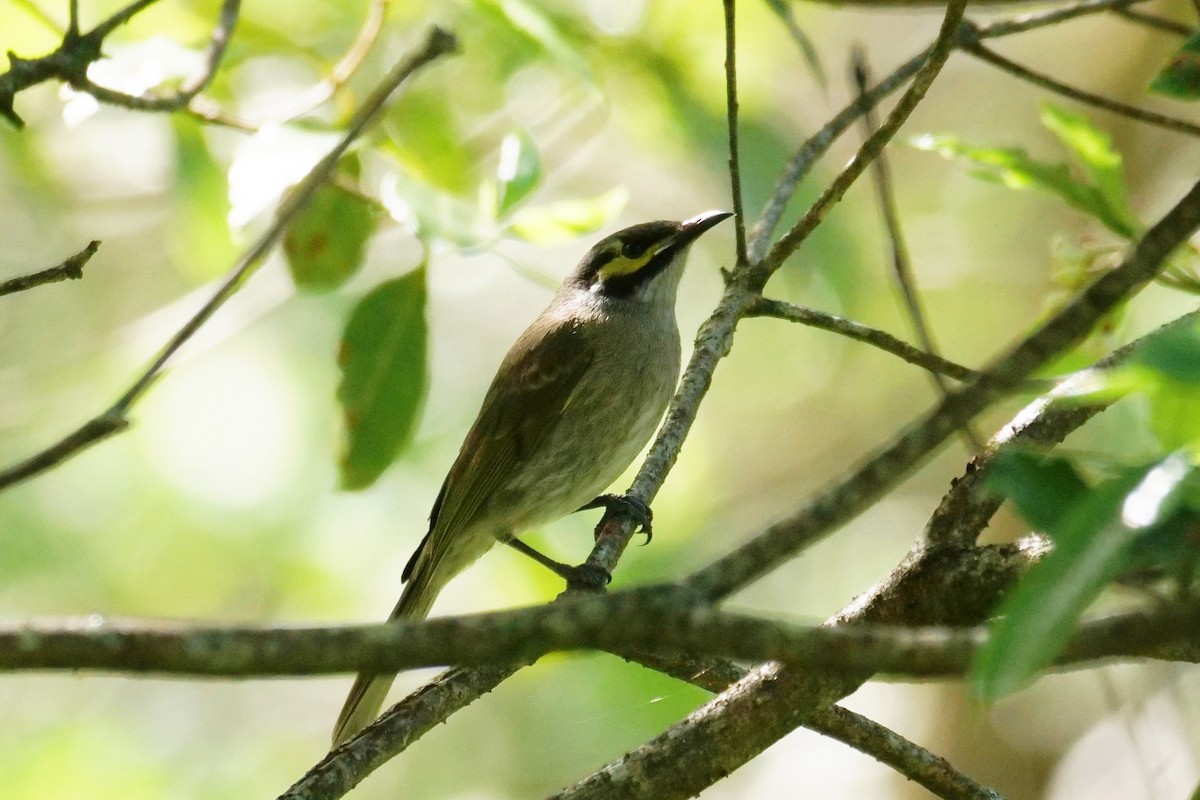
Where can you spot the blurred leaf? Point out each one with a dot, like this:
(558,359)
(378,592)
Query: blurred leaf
(327,239)
(1093,147)
(1175,415)
(200,242)
(268,163)
(1042,487)
(1170,550)
(1168,365)
(1182,271)
(518,173)
(435,215)
(1092,537)
(382,360)
(1180,78)
(568,219)
(1016,169)
(537,28)
(424,137)
(1174,352)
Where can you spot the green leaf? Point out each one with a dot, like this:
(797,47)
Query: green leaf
(382,360)
(1174,353)
(1169,367)
(534,25)
(327,239)
(1042,487)
(1016,169)
(1180,78)
(1093,148)
(1092,537)
(434,215)
(568,219)
(424,137)
(518,173)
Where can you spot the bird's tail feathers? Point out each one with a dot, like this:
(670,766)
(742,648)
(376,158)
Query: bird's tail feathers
(370,690)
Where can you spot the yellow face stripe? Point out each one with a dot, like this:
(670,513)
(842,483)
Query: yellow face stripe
(621,264)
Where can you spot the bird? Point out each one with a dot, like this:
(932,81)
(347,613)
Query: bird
(573,402)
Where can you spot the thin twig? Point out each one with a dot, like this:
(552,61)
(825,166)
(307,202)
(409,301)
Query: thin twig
(71,269)
(814,147)
(72,31)
(344,767)
(438,43)
(890,748)
(885,195)
(1155,21)
(860,333)
(1041,19)
(840,724)
(118,19)
(1050,84)
(309,99)
(801,163)
(902,270)
(783,10)
(731,109)
(198,82)
(939,52)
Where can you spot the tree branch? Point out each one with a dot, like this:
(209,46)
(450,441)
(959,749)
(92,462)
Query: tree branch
(71,269)
(437,44)
(191,87)
(731,110)
(878,473)
(1050,84)
(891,749)
(762,307)
(801,163)
(345,767)
(650,620)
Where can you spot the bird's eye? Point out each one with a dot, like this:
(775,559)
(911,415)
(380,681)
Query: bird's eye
(633,250)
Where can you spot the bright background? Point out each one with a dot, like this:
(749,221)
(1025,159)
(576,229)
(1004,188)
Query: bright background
(220,503)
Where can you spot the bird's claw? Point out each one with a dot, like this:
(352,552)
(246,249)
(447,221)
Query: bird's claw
(638,511)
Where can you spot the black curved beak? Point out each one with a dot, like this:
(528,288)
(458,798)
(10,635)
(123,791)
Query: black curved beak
(691,229)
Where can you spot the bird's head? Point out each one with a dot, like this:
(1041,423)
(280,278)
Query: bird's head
(641,261)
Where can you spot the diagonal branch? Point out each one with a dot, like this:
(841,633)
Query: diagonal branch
(880,472)
(1050,84)
(762,307)
(437,44)
(891,749)
(943,580)
(801,163)
(346,766)
(932,65)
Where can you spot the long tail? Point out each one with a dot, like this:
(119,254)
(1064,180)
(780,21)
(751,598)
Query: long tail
(368,693)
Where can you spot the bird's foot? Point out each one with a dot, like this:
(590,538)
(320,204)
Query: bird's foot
(587,577)
(638,511)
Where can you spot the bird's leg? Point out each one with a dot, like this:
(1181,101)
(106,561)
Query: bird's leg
(582,576)
(638,511)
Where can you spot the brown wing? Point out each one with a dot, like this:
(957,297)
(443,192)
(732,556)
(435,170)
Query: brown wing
(521,407)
